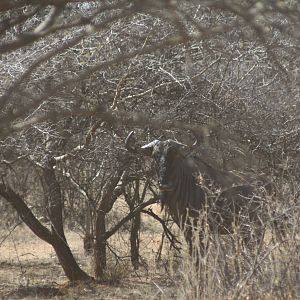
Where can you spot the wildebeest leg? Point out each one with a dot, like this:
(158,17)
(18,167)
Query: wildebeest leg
(195,240)
(252,238)
(255,232)
(188,234)
(252,246)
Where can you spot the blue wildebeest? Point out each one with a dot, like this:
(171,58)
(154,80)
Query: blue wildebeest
(190,188)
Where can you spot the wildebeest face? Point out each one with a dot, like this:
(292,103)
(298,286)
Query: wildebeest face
(165,155)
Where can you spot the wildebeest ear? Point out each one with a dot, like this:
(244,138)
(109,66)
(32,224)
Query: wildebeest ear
(148,149)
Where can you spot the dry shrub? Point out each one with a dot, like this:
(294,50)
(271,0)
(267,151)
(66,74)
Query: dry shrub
(229,270)
(115,273)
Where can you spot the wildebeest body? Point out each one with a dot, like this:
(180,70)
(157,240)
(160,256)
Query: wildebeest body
(196,193)
(188,188)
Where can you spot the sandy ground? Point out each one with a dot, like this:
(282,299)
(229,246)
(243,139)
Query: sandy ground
(29,269)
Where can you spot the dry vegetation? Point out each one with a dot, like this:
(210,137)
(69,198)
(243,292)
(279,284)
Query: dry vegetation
(30,269)
(76,77)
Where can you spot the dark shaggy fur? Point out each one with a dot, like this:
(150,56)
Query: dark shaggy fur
(190,188)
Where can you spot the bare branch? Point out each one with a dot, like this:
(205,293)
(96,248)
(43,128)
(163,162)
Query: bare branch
(137,210)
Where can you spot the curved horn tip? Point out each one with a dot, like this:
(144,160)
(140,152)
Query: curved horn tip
(181,144)
(127,142)
(131,133)
(150,145)
(196,142)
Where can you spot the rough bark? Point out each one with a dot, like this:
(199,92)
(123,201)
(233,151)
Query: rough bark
(64,254)
(100,245)
(55,211)
(68,262)
(26,214)
(135,226)
(135,241)
(53,195)
(134,200)
(110,195)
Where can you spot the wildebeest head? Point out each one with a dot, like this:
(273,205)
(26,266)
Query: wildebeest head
(166,154)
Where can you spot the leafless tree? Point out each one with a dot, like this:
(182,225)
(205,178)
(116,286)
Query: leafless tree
(77,75)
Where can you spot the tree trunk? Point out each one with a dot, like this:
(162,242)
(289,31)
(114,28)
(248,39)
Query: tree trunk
(100,245)
(55,211)
(68,262)
(111,193)
(135,241)
(53,195)
(64,254)
(88,240)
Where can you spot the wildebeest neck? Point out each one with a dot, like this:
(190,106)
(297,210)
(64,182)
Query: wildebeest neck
(180,191)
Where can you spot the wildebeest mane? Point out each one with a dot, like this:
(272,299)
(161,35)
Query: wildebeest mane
(191,187)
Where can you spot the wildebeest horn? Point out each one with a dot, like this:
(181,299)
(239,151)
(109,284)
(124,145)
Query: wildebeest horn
(127,143)
(175,142)
(148,149)
(196,143)
(188,146)
(145,150)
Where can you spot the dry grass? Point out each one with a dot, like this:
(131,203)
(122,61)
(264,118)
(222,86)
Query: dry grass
(29,269)
(227,270)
